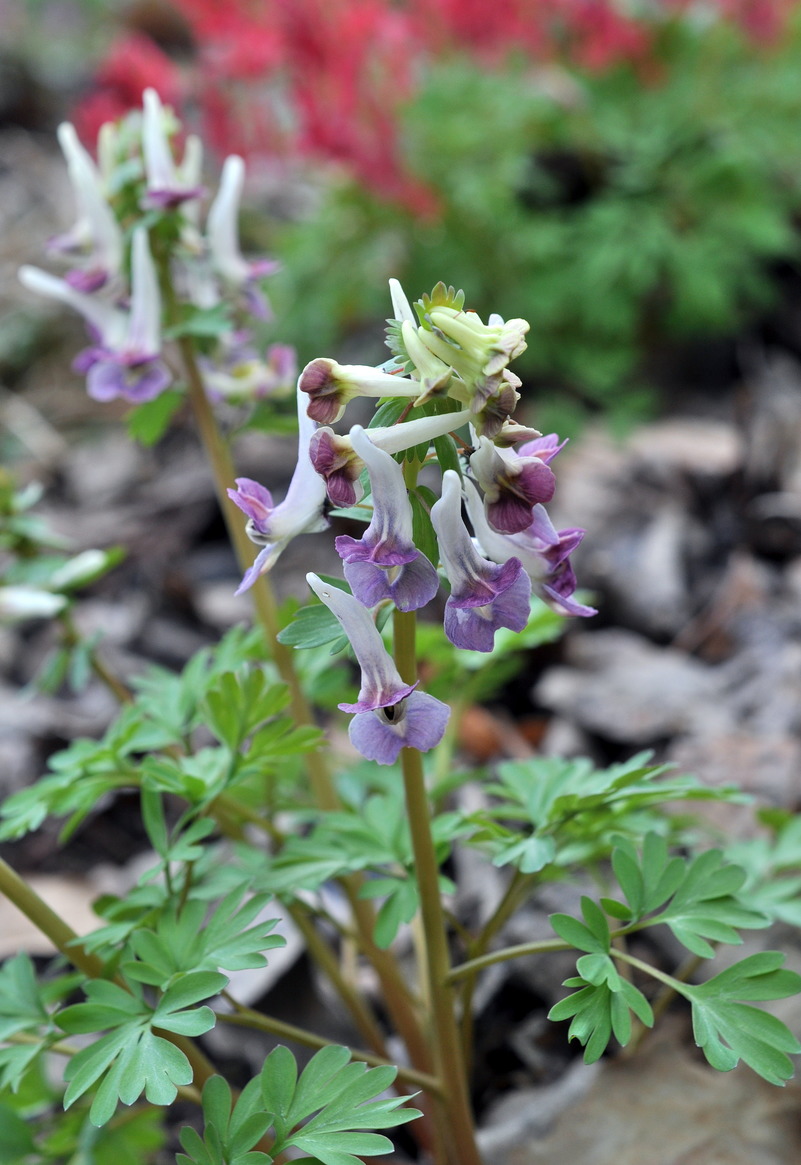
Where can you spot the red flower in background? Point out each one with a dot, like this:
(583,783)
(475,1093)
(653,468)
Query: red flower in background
(326,78)
(133,64)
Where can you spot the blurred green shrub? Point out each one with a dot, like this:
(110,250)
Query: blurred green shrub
(614,210)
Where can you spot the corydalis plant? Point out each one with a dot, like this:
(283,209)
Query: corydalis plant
(450,376)
(138,189)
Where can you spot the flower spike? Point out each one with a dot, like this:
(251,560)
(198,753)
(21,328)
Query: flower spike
(484,595)
(385,563)
(389,714)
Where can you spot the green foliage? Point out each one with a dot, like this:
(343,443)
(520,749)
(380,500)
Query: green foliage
(131,1058)
(728,1030)
(696,898)
(219,691)
(566,812)
(322,1112)
(148,422)
(185,940)
(25,1011)
(615,215)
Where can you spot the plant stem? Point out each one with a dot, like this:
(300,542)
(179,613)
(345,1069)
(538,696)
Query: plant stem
(504,954)
(455,1103)
(72,637)
(246,1017)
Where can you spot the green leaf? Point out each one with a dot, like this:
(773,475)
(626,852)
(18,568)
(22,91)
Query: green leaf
(148,422)
(313,626)
(423,534)
(132,1058)
(728,1030)
(341,1093)
(577,934)
(601,1007)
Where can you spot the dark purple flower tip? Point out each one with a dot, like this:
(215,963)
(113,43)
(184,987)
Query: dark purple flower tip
(519,492)
(491,411)
(326,396)
(136,382)
(255,500)
(335,460)
(409,586)
(565,604)
(418,721)
(88,357)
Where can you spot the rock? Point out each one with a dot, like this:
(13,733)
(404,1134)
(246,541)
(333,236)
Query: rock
(623,688)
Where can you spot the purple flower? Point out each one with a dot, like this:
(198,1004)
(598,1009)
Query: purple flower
(126,359)
(301,512)
(330,386)
(543,551)
(222,234)
(512,485)
(484,595)
(238,373)
(338,462)
(546,448)
(389,714)
(167,185)
(384,563)
(96,235)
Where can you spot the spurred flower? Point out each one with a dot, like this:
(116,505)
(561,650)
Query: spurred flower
(385,563)
(484,595)
(331,385)
(334,457)
(543,551)
(125,361)
(389,714)
(512,485)
(301,512)
(222,234)
(96,235)
(238,373)
(167,185)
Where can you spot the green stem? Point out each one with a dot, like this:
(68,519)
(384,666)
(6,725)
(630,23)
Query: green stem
(246,1017)
(72,637)
(668,980)
(456,1116)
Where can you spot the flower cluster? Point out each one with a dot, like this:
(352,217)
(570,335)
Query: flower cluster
(450,387)
(139,190)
